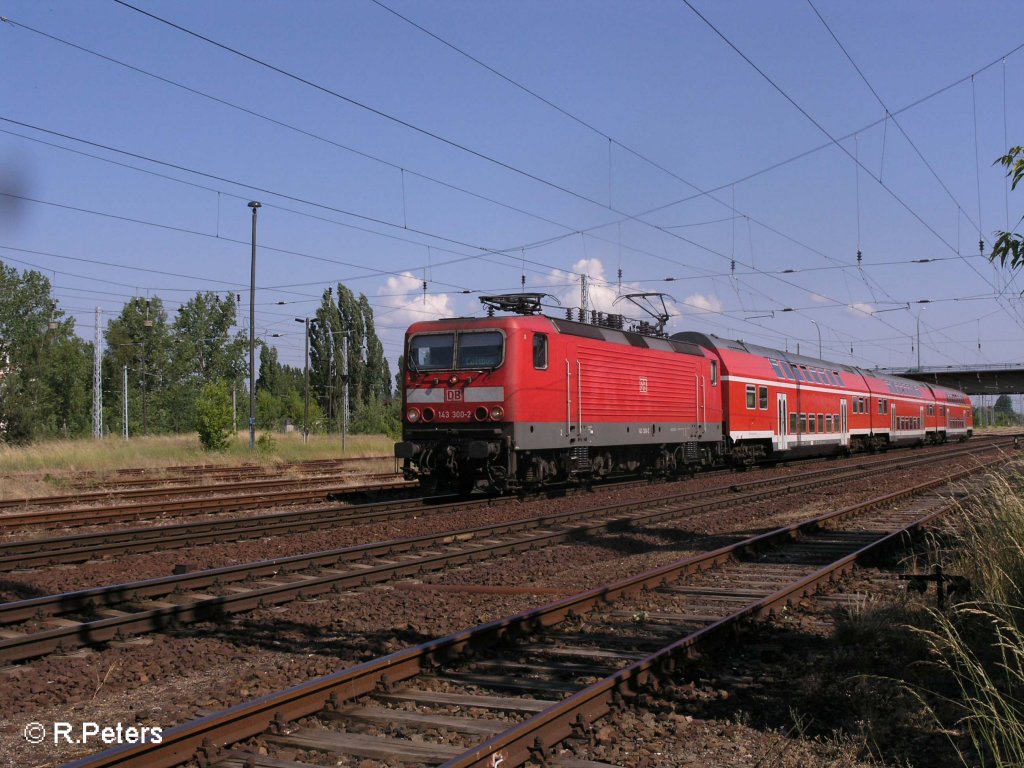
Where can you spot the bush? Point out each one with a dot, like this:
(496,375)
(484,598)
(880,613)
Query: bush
(377,418)
(265,444)
(213,416)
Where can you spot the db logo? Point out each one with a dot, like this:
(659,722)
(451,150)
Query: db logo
(453,394)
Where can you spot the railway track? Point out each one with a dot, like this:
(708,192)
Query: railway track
(531,687)
(44,552)
(138,476)
(217,498)
(63,622)
(198,500)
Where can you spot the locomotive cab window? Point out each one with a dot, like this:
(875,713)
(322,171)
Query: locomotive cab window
(482,349)
(540,351)
(431,351)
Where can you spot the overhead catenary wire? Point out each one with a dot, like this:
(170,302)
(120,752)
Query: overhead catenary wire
(733,248)
(379,159)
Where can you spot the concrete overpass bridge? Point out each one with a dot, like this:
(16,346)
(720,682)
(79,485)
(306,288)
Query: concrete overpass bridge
(1005,379)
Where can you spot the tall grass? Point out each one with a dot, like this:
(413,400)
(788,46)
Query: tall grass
(979,644)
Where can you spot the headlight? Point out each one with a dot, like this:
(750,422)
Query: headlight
(497,412)
(412,415)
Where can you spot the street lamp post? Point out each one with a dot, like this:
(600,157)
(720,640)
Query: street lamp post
(255,205)
(919,338)
(818,329)
(344,407)
(305,416)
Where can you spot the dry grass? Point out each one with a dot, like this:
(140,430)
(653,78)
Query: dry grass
(44,468)
(979,644)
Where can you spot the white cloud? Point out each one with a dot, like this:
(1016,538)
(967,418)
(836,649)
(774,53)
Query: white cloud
(405,304)
(603,292)
(698,303)
(860,309)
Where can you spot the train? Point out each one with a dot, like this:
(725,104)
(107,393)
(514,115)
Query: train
(519,401)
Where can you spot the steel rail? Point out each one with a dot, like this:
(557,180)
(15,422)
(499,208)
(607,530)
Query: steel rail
(187,472)
(204,736)
(85,497)
(199,504)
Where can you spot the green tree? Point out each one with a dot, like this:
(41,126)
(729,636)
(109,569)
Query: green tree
(140,339)
(45,385)
(1009,248)
(203,351)
(1003,411)
(267,371)
(325,357)
(367,371)
(213,416)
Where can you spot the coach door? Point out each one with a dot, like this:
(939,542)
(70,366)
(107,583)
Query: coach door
(844,429)
(783,423)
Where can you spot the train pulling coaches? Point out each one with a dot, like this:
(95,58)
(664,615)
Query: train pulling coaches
(503,404)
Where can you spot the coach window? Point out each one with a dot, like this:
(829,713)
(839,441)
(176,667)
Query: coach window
(751,396)
(828,422)
(799,373)
(540,351)
(775,367)
(762,398)
(787,369)
(792,423)
(821,422)
(803,423)
(839,380)
(810,423)
(931,409)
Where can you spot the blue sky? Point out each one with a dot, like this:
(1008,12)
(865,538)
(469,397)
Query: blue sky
(665,139)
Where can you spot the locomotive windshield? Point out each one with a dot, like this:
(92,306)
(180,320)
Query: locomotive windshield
(437,351)
(480,350)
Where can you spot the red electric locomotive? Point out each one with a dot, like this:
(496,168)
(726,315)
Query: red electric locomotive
(501,404)
(504,403)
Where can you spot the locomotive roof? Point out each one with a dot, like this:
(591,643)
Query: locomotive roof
(575,328)
(615,336)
